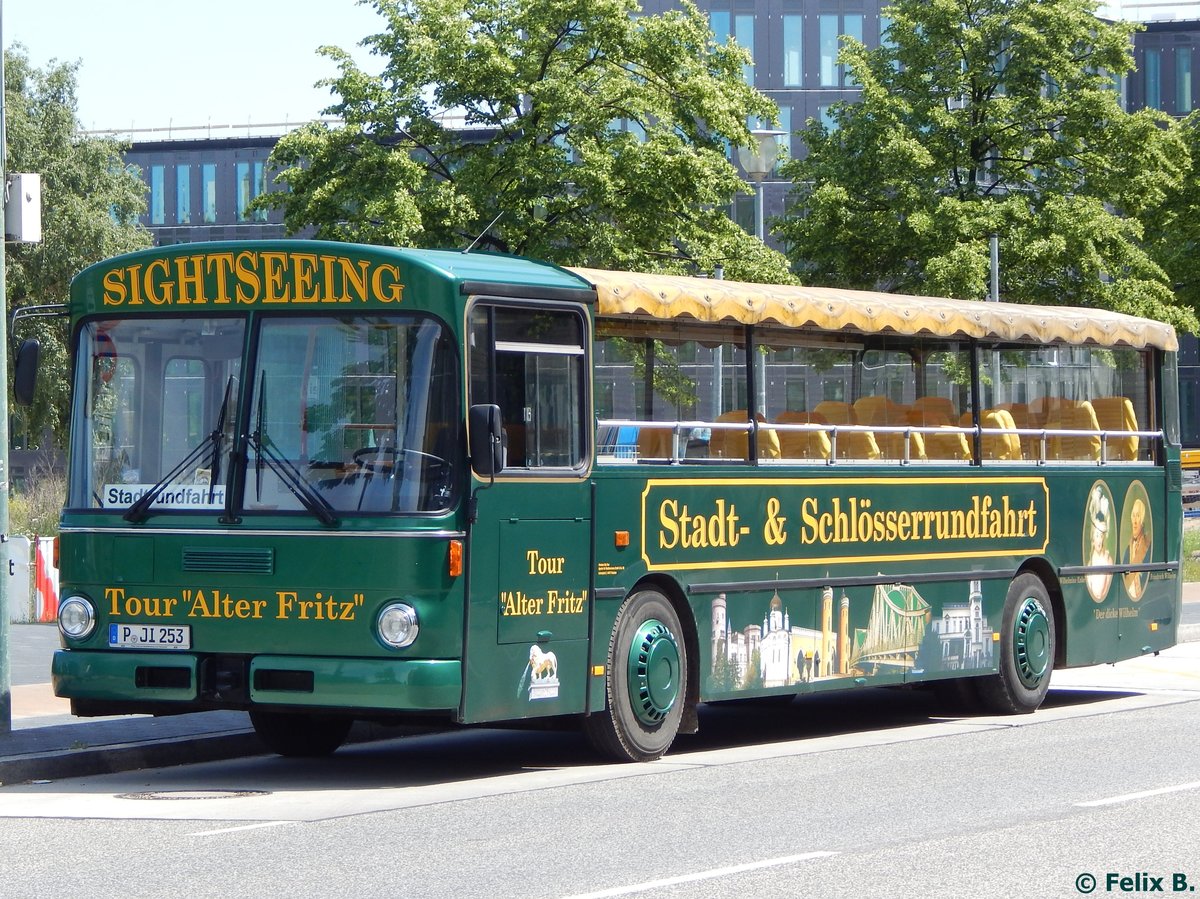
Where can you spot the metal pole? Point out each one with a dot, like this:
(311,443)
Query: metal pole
(760,231)
(718,362)
(994,247)
(5,679)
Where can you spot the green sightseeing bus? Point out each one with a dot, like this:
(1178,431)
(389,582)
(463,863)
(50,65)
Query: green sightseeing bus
(323,482)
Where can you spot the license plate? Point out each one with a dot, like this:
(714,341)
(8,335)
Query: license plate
(150,636)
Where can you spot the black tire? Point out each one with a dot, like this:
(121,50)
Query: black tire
(1027,646)
(301,734)
(646,685)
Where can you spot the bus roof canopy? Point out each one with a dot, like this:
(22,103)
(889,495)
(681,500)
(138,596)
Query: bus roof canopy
(866,312)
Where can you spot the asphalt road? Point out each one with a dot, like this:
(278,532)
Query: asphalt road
(867,794)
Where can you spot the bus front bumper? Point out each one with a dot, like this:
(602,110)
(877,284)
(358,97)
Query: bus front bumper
(189,682)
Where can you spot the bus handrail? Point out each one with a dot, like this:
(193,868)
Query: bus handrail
(1043,436)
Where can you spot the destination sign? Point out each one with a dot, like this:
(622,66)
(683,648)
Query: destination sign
(251,278)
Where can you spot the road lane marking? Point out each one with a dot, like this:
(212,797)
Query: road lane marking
(701,875)
(1145,794)
(260,824)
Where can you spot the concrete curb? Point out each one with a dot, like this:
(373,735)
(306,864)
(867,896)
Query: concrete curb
(85,761)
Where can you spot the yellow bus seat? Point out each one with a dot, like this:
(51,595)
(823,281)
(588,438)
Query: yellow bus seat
(937,406)
(655,442)
(803,444)
(728,444)
(1000,446)
(1076,447)
(850,444)
(1115,413)
(881,411)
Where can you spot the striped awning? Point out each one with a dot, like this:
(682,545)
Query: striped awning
(866,312)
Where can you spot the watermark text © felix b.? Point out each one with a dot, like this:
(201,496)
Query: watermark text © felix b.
(1130,884)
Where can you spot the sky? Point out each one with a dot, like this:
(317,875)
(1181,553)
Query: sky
(208,68)
(171,64)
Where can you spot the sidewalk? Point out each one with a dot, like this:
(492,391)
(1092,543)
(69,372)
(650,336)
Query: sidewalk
(47,743)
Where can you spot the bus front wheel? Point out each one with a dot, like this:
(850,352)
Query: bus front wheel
(301,734)
(1026,650)
(645,684)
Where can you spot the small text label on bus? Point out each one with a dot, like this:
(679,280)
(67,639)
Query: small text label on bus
(287,605)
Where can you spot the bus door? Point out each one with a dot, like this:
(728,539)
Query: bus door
(529,552)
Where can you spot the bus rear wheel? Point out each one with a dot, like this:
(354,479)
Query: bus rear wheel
(646,682)
(301,734)
(1027,646)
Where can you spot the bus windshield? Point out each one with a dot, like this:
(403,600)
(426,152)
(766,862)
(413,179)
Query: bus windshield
(150,395)
(344,415)
(359,414)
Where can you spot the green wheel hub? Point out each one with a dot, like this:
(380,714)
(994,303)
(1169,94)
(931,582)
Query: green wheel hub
(653,671)
(1031,642)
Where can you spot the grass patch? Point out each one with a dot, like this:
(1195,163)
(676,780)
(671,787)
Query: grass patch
(1191,544)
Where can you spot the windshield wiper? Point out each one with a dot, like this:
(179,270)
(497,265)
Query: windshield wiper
(287,472)
(140,510)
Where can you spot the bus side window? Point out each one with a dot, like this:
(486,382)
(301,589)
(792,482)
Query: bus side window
(532,363)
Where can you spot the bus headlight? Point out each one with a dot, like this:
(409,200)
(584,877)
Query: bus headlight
(76,617)
(397,625)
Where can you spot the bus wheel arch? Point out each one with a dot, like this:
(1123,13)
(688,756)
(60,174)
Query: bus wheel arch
(674,593)
(1042,569)
(648,680)
(1027,649)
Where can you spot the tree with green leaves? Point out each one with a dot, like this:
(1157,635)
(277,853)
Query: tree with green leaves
(1173,233)
(598,135)
(990,117)
(90,205)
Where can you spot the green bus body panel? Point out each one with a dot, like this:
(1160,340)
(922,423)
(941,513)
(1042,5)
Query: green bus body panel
(807,580)
(362,684)
(530,609)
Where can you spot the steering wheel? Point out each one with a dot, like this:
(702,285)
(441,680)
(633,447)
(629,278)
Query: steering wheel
(385,457)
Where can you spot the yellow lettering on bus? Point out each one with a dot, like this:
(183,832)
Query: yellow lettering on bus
(220,266)
(305,269)
(135,285)
(331,295)
(249,283)
(189,272)
(277,289)
(114,287)
(388,291)
(161,289)
(354,274)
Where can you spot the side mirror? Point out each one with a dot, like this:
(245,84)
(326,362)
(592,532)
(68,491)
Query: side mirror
(25,371)
(486,439)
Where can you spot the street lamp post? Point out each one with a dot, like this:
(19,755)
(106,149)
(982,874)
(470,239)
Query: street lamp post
(758,162)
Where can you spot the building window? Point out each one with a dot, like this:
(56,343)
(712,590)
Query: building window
(793,58)
(1183,80)
(852,26)
(208,191)
(743,33)
(183,194)
(785,139)
(158,202)
(828,30)
(251,181)
(1154,79)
